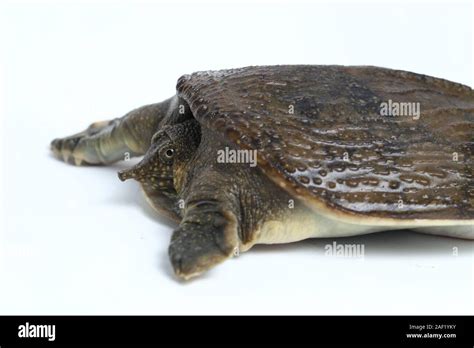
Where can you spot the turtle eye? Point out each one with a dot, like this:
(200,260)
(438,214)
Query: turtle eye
(169,153)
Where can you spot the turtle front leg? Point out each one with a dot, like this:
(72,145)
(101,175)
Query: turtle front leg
(110,141)
(208,232)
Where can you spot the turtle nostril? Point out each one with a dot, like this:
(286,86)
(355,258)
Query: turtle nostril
(125,174)
(122,176)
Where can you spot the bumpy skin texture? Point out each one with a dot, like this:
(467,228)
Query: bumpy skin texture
(336,148)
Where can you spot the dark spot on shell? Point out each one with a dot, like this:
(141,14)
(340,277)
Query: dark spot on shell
(394,185)
(314,164)
(353,167)
(304,179)
(422,181)
(406,178)
(352,183)
(340,167)
(301,167)
(289,168)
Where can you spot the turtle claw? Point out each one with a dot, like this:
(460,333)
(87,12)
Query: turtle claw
(65,149)
(81,148)
(195,248)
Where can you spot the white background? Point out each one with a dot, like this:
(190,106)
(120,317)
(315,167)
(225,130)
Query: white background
(78,241)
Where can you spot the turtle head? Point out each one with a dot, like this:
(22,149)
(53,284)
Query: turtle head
(170,148)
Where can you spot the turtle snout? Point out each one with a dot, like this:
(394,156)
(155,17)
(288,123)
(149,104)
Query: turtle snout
(136,172)
(123,175)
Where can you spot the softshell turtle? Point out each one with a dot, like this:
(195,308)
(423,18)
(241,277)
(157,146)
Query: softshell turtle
(277,154)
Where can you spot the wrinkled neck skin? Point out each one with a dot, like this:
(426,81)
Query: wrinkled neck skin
(186,138)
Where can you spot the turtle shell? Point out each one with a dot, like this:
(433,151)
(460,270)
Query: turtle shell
(321,134)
